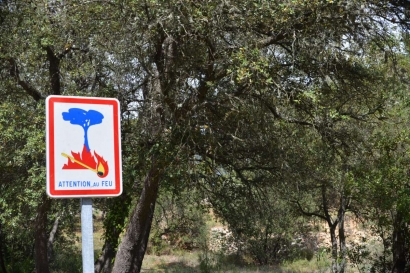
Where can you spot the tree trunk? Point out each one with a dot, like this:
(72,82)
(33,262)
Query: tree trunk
(333,241)
(51,239)
(2,263)
(332,224)
(132,248)
(103,263)
(41,239)
(400,245)
(342,237)
(332,228)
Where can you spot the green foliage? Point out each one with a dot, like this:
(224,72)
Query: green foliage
(67,259)
(22,177)
(262,223)
(179,223)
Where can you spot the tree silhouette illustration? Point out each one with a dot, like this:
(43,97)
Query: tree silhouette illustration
(83,118)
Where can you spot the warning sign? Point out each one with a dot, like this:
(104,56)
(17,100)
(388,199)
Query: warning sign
(83,147)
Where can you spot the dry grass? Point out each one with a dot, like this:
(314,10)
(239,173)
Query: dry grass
(183,262)
(189,262)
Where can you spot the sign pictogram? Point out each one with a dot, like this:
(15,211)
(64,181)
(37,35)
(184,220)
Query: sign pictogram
(83,147)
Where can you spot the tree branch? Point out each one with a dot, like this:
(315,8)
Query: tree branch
(309,213)
(54,71)
(15,73)
(276,114)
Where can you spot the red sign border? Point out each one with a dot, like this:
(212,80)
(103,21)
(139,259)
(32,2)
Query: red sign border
(51,190)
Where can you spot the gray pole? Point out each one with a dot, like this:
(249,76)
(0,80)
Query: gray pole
(87,235)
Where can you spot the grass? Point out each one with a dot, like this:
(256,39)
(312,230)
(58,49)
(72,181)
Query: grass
(189,262)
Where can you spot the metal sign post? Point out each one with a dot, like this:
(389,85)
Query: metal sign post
(87,235)
(83,156)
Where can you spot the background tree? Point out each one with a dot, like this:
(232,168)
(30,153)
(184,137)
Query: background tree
(266,90)
(36,54)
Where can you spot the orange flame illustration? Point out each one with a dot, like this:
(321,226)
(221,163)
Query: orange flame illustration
(102,166)
(87,161)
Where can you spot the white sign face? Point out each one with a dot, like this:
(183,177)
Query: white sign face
(83,147)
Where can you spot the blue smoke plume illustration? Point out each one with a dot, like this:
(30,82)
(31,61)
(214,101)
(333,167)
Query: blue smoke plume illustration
(85,119)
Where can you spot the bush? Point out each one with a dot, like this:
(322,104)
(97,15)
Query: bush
(179,223)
